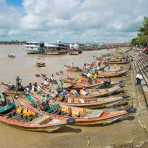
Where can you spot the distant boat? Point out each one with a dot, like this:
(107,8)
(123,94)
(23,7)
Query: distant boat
(55,52)
(47,49)
(73,52)
(11,55)
(40,64)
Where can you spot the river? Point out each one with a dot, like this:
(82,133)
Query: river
(25,65)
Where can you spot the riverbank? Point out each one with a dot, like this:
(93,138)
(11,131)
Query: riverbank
(128,133)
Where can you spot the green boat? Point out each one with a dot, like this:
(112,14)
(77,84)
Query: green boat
(7,108)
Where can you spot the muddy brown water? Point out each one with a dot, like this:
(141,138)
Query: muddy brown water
(67,137)
(25,65)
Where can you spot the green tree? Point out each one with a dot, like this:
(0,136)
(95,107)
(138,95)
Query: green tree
(142,36)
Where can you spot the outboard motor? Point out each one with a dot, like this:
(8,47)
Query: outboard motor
(121,83)
(131,110)
(70,121)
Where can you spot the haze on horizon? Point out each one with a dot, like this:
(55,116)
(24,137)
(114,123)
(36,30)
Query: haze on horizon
(71,20)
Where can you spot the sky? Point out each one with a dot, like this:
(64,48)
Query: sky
(71,20)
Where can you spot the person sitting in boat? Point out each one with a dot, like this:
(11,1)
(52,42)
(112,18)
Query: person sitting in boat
(64,95)
(88,74)
(107,83)
(126,58)
(36,87)
(45,83)
(30,86)
(98,67)
(84,91)
(75,92)
(3,99)
(99,63)
(107,68)
(52,80)
(49,97)
(84,67)
(26,91)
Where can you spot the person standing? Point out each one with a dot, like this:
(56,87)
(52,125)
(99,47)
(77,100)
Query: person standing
(139,78)
(18,83)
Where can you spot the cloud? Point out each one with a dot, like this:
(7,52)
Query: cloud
(9,20)
(73,20)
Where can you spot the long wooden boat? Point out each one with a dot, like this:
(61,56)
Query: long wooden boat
(7,108)
(78,69)
(118,62)
(87,85)
(40,64)
(41,122)
(65,84)
(101,118)
(60,52)
(74,53)
(95,103)
(103,74)
(73,68)
(87,117)
(93,93)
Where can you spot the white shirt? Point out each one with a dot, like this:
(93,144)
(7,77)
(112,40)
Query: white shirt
(45,82)
(88,75)
(139,76)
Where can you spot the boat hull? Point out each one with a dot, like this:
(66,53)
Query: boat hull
(111,74)
(75,86)
(97,121)
(30,126)
(97,105)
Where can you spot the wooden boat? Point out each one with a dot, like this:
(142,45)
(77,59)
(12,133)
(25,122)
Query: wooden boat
(109,74)
(42,122)
(7,108)
(65,84)
(11,55)
(95,103)
(93,93)
(73,52)
(86,117)
(40,64)
(73,68)
(101,118)
(118,61)
(33,52)
(55,52)
(78,85)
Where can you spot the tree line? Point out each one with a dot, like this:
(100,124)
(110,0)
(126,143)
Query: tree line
(142,35)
